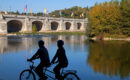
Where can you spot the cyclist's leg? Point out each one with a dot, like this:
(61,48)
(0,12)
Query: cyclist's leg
(39,70)
(57,70)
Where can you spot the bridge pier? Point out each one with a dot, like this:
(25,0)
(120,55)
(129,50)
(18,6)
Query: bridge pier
(3,25)
(83,26)
(73,26)
(61,26)
(27,25)
(46,26)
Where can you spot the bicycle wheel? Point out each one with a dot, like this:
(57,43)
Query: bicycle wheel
(27,75)
(70,76)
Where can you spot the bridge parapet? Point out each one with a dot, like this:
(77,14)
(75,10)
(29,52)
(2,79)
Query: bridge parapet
(43,18)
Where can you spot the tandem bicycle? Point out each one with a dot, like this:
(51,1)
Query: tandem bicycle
(28,74)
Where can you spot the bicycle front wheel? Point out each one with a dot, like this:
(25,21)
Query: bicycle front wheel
(27,75)
(71,76)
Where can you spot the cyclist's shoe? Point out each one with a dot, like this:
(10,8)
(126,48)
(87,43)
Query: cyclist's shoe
(43,78)
(59,77)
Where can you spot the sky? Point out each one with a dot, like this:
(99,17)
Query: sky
(39,5)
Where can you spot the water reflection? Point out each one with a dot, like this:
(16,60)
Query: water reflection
(14,44)
(110,57)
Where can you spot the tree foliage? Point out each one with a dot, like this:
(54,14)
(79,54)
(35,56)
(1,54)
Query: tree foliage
(79,12)
(34,28)
(125,11)
(110,18)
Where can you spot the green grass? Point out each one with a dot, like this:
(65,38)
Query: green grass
(50,33)
(64,33)
(116,36)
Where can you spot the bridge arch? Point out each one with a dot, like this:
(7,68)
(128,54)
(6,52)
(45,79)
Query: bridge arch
(67,25)
(14,26)
(38,25)
(79,26)
(54,25)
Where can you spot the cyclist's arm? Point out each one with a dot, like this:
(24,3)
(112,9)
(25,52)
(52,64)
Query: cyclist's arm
(54,58)
(35,56)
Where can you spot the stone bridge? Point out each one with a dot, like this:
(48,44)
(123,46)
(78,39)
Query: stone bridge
(20,23)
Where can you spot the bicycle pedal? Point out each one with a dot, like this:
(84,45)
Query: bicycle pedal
(43,78)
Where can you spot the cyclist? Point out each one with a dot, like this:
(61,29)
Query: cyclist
(62,59)
(42,53)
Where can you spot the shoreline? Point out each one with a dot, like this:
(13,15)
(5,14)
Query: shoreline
(110,39)
(67,33)
(44,33)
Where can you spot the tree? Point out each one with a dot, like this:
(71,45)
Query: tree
(67,12)
(34,28)
(105,18)
(125,10)
(17,12)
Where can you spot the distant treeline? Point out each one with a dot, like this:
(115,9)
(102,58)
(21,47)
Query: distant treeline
(109,18)
(23,13)
(74,12)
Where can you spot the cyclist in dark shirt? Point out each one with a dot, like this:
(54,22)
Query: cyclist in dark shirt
(42,53)
(62,59)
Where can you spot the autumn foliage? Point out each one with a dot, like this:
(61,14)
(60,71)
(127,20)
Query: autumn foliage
(110,18)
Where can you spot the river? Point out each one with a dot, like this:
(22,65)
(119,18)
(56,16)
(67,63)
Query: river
(102,60)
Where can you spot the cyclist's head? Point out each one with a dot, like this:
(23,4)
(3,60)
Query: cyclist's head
(40,43)
(60,43)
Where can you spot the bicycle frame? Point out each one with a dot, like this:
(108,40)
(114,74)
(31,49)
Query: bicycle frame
(62,72)
(32,68)
(50,72)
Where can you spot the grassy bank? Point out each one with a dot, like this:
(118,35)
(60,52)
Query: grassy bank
(48,33)
(116,36)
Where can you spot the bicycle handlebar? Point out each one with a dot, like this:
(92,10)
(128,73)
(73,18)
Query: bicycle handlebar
(30,61)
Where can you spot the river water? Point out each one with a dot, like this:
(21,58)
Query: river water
(101,60)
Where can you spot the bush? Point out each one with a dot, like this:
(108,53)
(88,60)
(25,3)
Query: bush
(34,28)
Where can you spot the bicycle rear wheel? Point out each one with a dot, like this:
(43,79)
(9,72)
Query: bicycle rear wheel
(71,76)
(27,75)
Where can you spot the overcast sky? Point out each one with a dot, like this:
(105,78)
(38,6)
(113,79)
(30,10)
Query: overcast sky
(39,5)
